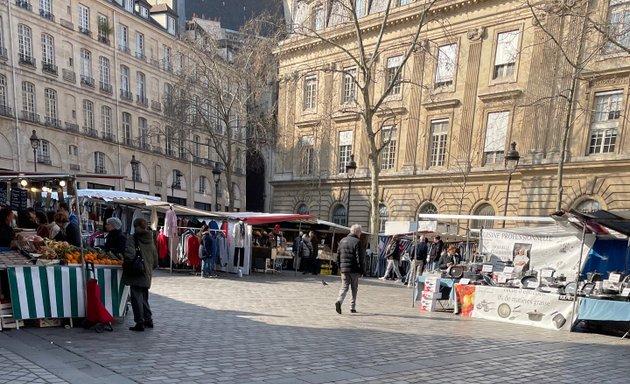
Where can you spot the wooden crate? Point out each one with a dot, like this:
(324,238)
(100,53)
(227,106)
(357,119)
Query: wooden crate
(6,317)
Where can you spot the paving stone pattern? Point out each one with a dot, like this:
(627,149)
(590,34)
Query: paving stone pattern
(284,329)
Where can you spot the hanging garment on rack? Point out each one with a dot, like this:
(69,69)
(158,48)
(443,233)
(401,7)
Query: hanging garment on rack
(137,214)
(162,245)
(192,245)
(170,223)
(173,246)
(223,249)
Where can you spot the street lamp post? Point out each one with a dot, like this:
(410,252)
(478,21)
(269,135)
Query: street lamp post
(34,144)
(176,175)
(134,170)
(351,168)
(512,158)
(216,175)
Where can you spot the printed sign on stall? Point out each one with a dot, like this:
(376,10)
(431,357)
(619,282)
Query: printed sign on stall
(522,306)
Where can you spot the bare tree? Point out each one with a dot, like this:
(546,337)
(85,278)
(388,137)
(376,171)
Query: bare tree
(226,90)
(366,48)
(576,33)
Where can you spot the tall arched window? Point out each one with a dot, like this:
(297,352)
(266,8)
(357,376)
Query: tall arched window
(483,210)
(339,215)
(427,208)
(588,206)
(302,209)
(383,215)
(50,99)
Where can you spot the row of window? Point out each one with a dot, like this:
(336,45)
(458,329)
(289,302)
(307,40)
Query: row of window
(602,137)
(339,212)
(506,55)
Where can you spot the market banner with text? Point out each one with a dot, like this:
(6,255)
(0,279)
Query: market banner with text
(536,248)
(522,306)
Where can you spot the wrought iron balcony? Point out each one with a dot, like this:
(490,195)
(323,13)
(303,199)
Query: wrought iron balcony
(105,87)
(85,31)
(24,4)
(108,136)
(47,15)
(87,81)
(103,39)
(3,54)
(44,159)
(142,101)
(141,56)
(90,131)
(6,111)
(26,60)
(126,95)
(50,121)
(101,170)
(124,48)
(30,116)
(49,68)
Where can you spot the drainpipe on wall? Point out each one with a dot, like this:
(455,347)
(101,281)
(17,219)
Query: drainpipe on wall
(121,182)
(15,106)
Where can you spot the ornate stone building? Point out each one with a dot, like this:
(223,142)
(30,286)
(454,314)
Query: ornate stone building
(487,75)
(94,79)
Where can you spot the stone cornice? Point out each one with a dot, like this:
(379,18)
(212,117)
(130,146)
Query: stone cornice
(346,115)
(307,123)
(371,23)
(501,95)
(441,104)
(395,111)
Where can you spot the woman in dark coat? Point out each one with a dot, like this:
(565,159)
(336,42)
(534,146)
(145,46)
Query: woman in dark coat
(140,284)
(314,260)
(116,241)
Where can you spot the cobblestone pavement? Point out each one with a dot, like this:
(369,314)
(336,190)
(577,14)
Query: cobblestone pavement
(284,329)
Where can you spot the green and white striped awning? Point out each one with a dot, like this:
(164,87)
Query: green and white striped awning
(59,291)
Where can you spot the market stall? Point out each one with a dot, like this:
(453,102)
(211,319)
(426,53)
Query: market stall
(46,279)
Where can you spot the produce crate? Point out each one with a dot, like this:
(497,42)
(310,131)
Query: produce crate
(45,323)
(6,317)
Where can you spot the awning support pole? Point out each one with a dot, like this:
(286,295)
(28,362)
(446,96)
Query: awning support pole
(574,313)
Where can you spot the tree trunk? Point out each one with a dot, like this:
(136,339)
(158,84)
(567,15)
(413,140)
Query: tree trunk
(568,123)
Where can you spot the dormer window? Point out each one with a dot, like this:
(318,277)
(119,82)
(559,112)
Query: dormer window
(128,5)
(170,25)
(144,12)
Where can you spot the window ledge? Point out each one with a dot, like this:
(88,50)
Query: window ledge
(441,104)
(501,95)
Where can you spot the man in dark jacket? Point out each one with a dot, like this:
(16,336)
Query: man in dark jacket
(116,241)
(139,284)
(435,251)
(351,260)
(418,258)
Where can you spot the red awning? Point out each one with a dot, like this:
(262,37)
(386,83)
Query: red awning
(256,218)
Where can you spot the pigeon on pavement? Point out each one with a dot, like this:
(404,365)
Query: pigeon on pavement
(324,283)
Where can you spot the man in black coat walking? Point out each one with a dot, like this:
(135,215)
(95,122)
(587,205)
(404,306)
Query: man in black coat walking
(351,261)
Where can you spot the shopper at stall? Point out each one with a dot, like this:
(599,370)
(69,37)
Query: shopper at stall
(7,222)
(447,259)
(210,247)
(392,253)
(68,232)
(53,228)
(43,230)
(351,261)
(27,219)
(116,241)
(418,257)
(435,251)
(315,245)
(141,283)
(306,254)
(63,207)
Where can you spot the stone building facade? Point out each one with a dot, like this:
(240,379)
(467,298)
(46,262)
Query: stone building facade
(486,76)
(94,79)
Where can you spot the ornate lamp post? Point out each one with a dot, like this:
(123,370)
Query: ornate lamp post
(351,168)
(512,158)
(216,175)
(34,144)
(134,170)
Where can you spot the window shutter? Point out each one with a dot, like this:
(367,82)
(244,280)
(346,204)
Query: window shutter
(507,48)
(496,132)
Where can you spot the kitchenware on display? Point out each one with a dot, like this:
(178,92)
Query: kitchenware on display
(535,315)
(504,310)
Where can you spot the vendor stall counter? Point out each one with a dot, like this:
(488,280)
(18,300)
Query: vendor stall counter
(57,291)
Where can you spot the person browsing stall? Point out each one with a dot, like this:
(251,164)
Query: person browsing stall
(69,232)
(140,283)
(116,241)
(447,260)
(7,234)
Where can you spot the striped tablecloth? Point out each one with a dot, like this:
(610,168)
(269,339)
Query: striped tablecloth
(59,291)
